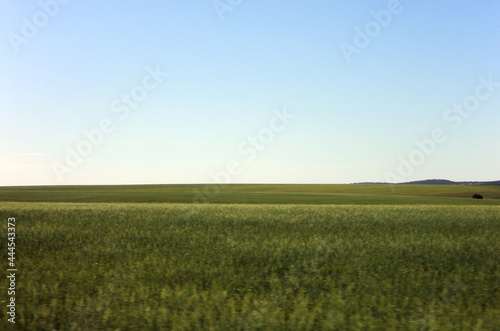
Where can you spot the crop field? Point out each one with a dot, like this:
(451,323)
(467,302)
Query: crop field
(259,194)
(268,257)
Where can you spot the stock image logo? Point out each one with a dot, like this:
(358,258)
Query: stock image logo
(121,106)
(31,26)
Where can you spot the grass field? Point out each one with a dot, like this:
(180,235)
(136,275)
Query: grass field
(260,194)
(347,257)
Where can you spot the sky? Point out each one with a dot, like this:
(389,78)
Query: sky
(239,91)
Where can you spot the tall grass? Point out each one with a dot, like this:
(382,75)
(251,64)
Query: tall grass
(245,267)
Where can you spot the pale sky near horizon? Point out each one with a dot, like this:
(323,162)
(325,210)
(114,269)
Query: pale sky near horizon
(248,91)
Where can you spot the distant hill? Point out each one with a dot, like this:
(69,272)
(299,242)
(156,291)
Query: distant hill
(441,182)
(449,182)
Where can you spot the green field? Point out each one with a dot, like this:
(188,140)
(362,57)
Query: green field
(257,257)
(259,194)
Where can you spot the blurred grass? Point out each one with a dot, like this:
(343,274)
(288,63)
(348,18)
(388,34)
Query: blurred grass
(255,267)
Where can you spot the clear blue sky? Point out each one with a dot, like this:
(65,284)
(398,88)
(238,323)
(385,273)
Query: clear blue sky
(356,116)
